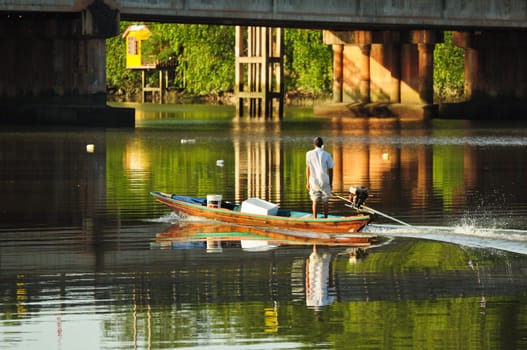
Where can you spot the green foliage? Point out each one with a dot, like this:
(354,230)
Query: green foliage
(204,53)
(208,59)
(205,57)
(164,43)
(448,71)
(117,76)
(308,62)
(205,60)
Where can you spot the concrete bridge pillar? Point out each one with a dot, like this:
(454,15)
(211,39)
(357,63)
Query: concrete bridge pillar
(364,68)
(338,61)
(350,74)
(426,72)
(385,72)
(495,74)
(53,68)
(394,67)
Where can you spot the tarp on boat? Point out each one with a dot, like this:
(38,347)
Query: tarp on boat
(188,199)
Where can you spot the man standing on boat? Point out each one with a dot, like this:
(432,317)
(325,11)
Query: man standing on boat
(319,174)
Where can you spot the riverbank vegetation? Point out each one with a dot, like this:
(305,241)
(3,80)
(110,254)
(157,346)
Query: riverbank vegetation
(204,63)
(449,71)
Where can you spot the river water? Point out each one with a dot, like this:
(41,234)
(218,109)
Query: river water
(82,267)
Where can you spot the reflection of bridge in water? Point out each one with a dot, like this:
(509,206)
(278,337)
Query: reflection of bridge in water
(366,152)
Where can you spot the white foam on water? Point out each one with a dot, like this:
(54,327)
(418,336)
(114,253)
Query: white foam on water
(167,218)
(173,218)
(510,240)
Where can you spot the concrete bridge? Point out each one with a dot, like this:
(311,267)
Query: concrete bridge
(53,66)
(331,14)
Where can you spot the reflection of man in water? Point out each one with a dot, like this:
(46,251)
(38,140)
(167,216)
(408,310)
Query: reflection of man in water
(317,278)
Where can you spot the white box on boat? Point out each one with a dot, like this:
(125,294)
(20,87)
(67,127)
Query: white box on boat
(259,206)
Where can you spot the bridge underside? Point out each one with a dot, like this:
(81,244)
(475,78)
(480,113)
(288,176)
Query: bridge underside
(53,69)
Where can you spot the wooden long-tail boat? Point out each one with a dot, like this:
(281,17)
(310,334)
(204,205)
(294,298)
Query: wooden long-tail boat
(284,219)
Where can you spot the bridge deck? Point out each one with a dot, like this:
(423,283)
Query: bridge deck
(365,14)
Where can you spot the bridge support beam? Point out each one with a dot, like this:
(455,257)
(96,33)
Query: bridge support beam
(53,68)
(495,75)
(384,67)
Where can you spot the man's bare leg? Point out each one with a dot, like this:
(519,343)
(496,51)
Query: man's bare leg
(314,208)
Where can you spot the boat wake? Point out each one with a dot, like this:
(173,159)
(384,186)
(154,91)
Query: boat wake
(510,240)
(173,218)
(169,218)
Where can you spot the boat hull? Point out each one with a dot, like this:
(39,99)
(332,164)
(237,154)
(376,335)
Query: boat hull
(342,224)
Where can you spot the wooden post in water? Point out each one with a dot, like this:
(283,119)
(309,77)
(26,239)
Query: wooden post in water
(156,92)
(259,71)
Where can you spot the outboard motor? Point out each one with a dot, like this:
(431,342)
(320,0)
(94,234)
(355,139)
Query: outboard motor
(358,195)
